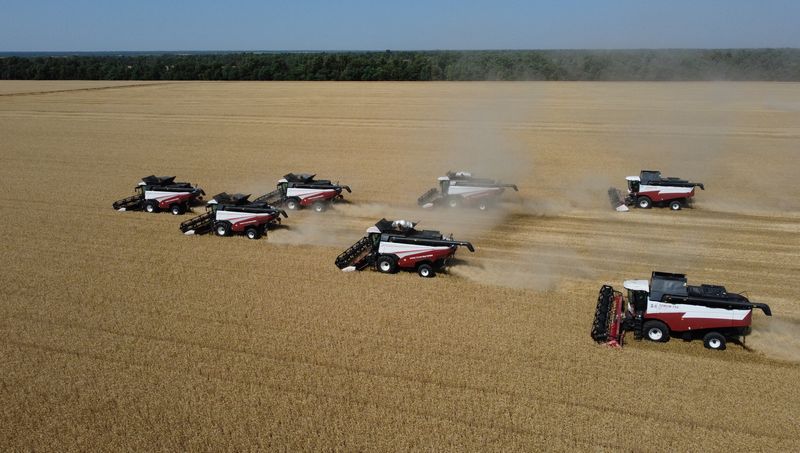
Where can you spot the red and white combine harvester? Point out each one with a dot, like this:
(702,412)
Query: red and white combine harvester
(391,246)
(296,191)
(230,214)
(650,189)
(462,189)
(666,306)
(161,193)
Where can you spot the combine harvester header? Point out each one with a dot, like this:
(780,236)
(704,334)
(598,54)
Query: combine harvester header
(650,189)
(393,245)
(157,193)
(228,214)
(462,189)
(667,306)
(296,191)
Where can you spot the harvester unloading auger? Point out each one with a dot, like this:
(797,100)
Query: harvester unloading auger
(650,189)
(667,306)
(296,191)
(156,193)
(393,245)
(462,189)
(229,214)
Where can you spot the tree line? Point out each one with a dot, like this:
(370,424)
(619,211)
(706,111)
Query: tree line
(622,65)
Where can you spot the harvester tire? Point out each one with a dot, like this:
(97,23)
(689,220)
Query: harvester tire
(151,207)
(675,205)
(656,331)
(319,206)
(644,203)
(426,271)
(222,229)
(483,205)
(714,340)
(386,264)
(252,233)
(177,209)
(293,204)
(453,202)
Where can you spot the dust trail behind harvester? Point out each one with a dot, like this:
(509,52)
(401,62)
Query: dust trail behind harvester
(777,338)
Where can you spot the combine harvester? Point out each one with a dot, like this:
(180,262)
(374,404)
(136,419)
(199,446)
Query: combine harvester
(229,214)
(390,246)
(296,191)
(462,189)
(666,306)
(157,193)
(650,189)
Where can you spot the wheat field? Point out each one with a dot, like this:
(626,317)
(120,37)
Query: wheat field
(117,332)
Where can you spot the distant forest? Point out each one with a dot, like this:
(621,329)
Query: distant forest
(732,64)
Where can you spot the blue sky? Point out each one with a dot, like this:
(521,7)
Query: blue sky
(89,25)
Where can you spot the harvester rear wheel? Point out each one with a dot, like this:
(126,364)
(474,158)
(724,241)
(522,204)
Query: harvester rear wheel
(252,233)
(656,331)
(644,203)
(714,340)
(177,209)
(151,207)
(222,229)
(675,205)
(319,206)
(426,271)
(483,205)
(386,264)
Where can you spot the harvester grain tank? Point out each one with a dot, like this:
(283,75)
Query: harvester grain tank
(462,189)
(161,193)
(666,306)
(390,246)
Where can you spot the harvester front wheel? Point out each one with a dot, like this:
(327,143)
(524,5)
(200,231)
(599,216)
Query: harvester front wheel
(714,340)
(426,271)
(386,264)
(644,203)
(293,204)
(222,229)
(675,205)
(151,207)
(656,331)
(453,202)
(177,209)
(252,233)
(319,206)
(483,205)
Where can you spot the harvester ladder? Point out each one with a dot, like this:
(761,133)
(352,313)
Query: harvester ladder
(354,256)
(129,202)
(199,224)
(428,196)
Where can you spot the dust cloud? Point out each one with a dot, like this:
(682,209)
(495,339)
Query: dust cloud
(775,337)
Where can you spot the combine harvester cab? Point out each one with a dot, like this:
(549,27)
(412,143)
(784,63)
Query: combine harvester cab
(296,191)
(227,215)
(390,246)
(161,193)
(462,189)
(666,306)
(650,189)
